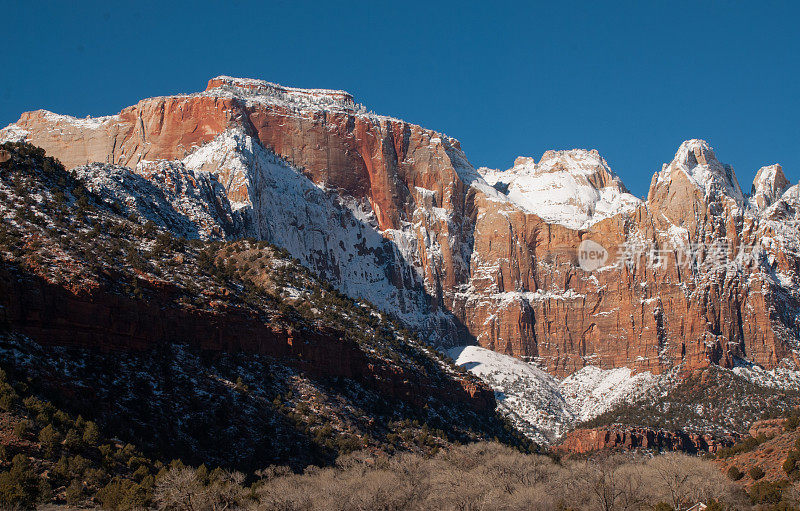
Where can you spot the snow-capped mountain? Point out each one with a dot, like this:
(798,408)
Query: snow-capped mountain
(768,185)
(573,188)
(395,213)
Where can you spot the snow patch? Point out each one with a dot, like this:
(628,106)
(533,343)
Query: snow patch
(573,188)
(530,397)
(542,406)
(13,133)
(592,391)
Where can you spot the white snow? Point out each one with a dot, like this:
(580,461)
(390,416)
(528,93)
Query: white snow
(541,405)
(574,188)
(779,378)
(335,236)
(13,133)
(592,391)
(254,91)
(188,203)
(87,122)
(695,158)
(530,397)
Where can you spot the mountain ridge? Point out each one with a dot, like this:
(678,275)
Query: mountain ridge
(456,257)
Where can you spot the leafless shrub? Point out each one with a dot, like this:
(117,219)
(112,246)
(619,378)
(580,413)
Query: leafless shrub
(678,479)
(490,476)
(180,489)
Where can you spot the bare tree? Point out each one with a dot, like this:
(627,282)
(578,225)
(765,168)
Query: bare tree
(682,480)
(606,484)
(179,489)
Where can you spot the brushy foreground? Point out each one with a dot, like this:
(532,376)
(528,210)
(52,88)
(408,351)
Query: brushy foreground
(479,476)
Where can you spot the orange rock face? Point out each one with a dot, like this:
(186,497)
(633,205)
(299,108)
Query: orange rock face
(582,441)
(508,279)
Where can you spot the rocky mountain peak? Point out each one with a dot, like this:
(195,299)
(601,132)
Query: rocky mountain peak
(521,161)
(575,188)
(695,166)
(582,162)
(768,185)
(695,152)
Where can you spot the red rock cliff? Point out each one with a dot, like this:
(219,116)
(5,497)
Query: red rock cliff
(509,277)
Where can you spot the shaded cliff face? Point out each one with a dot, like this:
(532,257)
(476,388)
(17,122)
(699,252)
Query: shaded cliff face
(395,213)
(98,295)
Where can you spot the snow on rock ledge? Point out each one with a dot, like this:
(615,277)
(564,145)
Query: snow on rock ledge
(593,391)
(574,188)
(527,395)
(696,162)
(303,97)
(768,186)
(542,406)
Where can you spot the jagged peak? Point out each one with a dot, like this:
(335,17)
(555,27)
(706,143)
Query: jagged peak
(768,186)
(783,207)
(696,160)
(694,152)
(769,174)
(587,165)
(575,188)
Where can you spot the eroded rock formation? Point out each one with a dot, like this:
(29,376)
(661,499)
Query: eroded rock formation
(582,441)
(389,211)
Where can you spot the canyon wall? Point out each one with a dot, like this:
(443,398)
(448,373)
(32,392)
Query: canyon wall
(478,251)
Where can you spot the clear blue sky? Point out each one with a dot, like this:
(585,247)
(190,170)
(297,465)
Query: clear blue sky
(632,79)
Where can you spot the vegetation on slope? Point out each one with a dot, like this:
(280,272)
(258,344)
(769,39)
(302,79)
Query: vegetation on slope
(177,400)
(713,400)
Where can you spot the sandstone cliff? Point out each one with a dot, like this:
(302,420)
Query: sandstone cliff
(583,441)
(395,213)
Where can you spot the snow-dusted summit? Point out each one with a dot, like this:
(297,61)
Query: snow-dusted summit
(768,186)
(696,163)
(574,188)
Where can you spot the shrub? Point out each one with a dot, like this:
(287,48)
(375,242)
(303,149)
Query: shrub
(91,435)
(122,495)
(756,473)
(50,440)
(767,492)
(19,486)
(734,473)
(21,429)
(792,420)
(73,440)
(745,445)
(790,464)
(7,401)
(74,493)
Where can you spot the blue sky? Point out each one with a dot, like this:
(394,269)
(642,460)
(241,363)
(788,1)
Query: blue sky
(632,79)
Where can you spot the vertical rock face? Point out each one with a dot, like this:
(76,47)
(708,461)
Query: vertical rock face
(768,186)
(582,441)
(395,213)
